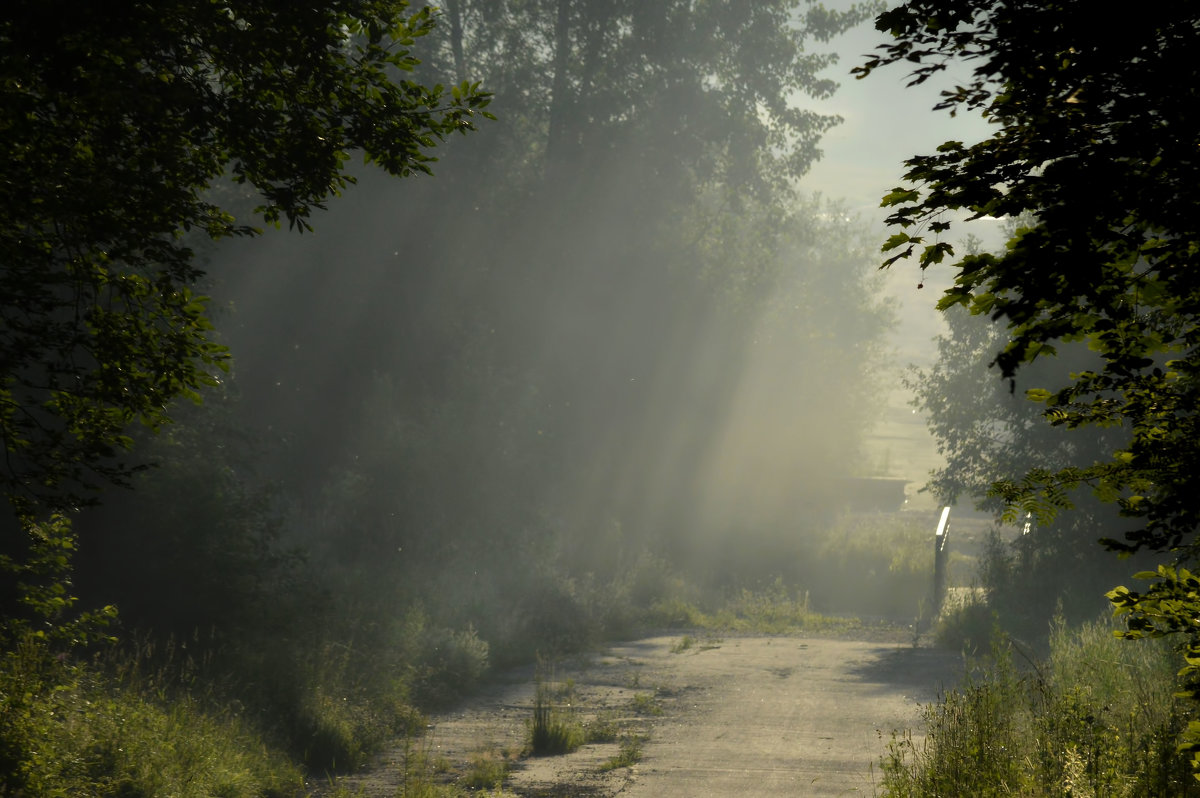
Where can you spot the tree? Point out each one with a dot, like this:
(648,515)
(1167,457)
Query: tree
(118,125)
(690,91)
(1096,136)
(988,433)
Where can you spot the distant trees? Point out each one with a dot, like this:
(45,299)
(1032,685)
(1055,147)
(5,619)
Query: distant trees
(1097,138)
(988,432)
(490,393)
(564,322)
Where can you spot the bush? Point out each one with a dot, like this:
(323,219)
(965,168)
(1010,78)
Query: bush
(971,627)
(871,565)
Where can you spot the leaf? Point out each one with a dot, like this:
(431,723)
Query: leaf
(899,196)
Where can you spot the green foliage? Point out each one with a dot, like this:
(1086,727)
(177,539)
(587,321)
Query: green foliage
(1167,608)
(988,433)
(196,544)
(628,755)
(334,701)
(877,565)
(42,581)
(668,250)
(488,770)
(970,627)
(1098,717)
(1095,145)
(645,704)
(606,727)
(776,609)
(685,643)
(68,729)
(722,76)
(117,126)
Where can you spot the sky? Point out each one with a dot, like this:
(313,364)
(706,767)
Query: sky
(884,124)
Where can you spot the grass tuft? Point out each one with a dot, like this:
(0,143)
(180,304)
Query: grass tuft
(553,729)
(628,755)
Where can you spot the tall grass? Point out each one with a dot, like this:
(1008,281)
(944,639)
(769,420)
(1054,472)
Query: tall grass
(553,728)
(1098,717)
(773,609)
(70,729)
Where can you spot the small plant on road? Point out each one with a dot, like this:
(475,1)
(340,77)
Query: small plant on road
(553,729)
(685,642)
(629,754)
(489,769)
(604,728)
(645,704)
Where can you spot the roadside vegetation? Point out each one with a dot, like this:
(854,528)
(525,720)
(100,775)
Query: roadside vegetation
(112,728)
(1098,716)
(323,688)
(1064,394)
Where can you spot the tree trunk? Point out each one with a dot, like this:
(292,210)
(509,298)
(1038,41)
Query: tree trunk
(454,14)
(559,101)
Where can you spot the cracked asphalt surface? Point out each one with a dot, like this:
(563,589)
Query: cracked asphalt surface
(739,716)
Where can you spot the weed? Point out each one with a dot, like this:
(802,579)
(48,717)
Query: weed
(774,610)
(685,642)
(604,728)
(488,770)
(628,754)
(553,729)
(969,625)
(645,704)
(72,729)
(416,775)
(565,692)
(1097,718)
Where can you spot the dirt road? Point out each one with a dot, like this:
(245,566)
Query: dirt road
(740,716)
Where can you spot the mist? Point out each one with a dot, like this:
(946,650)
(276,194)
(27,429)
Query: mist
(403,400)
(615,363)
(657,341)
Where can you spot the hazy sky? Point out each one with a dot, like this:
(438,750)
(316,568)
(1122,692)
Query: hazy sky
(885,123)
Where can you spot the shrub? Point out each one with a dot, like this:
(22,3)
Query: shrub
(970,627)
(872,565)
